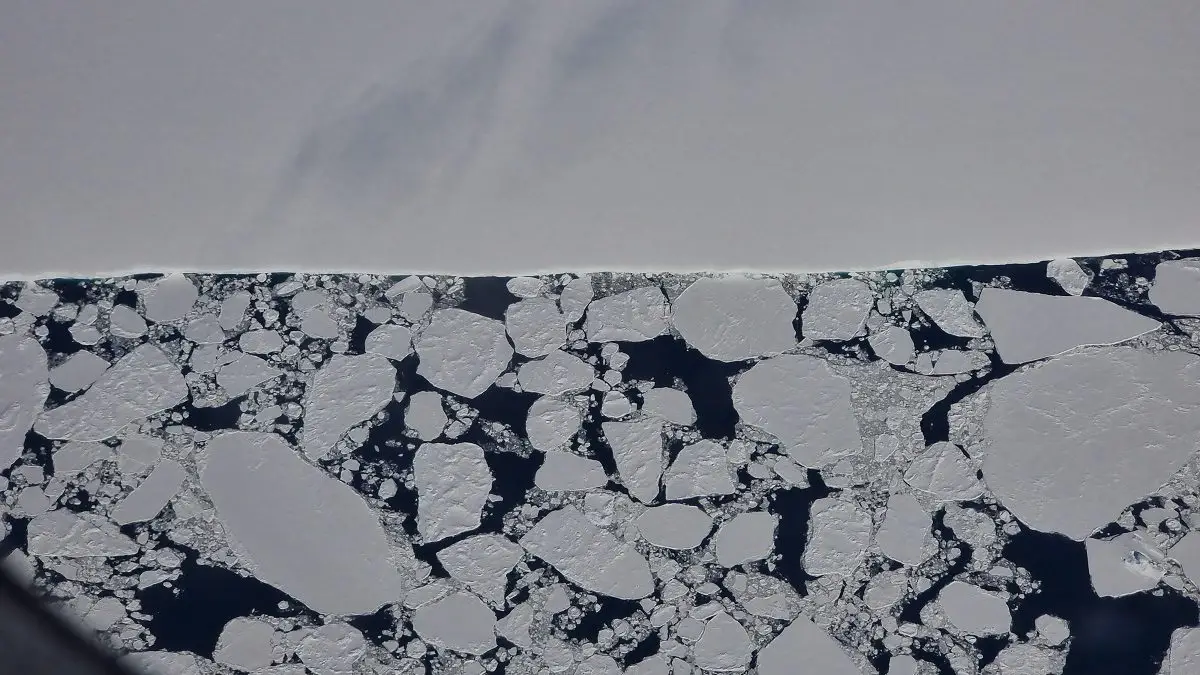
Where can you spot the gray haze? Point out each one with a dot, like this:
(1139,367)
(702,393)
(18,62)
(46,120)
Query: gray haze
(518,136)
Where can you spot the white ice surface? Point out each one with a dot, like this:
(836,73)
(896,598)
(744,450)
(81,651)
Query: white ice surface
(637,448)
(335,556)
(1176,287)
(974,610)
(462,352)
(803,642)
(1030,326)
(589,556)
(24,391)
(802,402)
(736,317)
(141,383)
(453,482)
(1068,450)
(459,621)
(674,526)
(343,393)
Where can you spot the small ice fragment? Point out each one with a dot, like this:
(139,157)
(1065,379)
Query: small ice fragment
(318,324)
(1068,275)
(140,384)
(589,556)
(575,296)
(637,448)
(205,330)
(36,300)
(105,613)
(23,393)
(124,322)
(905,535)
(170,298)
(552,423)
(724,646)
(567,471)
(69,535)
(733,318)
(745,538)
(974,610)
(260,342)
(378,315)
(955,361)
(245,643)
(453,482)
(32,501)
(616,405)
(390,340)
(459,621)
(1176,288)
(137,453)
(536,326)
(462,352)
(78,371)
(515,625)
(839,533)
(803,642)
(672,405)
(482,563)
(262,489)
(242,375)
(893,344)
(557,374)
(233,310)
(85,334)
(943,471)
(425,415)
(414,305)
(1121,565)
(1068,450)
(802,402)
(307,300)
(700,470)
(145,502)
(342,394)
(1031,326)
(885,589)
(655,664)
(598,664)
(902,664)
(951,311)
(632,316)
(1053,630)
(525,287)
(837,310)
(332,649)
(405,285)
(674,526)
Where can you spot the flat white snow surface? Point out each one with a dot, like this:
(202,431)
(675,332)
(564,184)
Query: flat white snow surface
(736,318)
(978,469)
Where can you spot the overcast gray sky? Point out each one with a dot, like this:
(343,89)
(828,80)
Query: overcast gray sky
(469,136)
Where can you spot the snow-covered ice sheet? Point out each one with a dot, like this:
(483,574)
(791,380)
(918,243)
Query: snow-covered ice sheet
(985,470)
